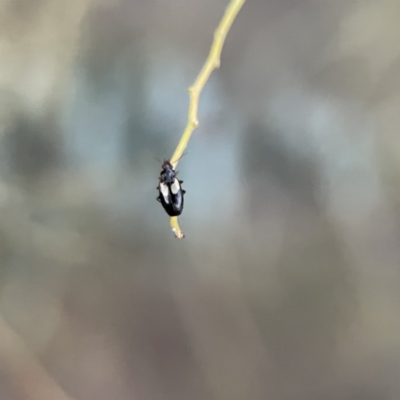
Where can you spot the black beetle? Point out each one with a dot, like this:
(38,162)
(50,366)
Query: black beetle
(170,190)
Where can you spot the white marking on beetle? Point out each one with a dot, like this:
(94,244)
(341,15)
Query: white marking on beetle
(175,186)
(164,192)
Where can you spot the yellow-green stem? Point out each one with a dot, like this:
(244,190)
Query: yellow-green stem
(212,62)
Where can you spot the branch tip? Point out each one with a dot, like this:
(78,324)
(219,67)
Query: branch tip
(175,228)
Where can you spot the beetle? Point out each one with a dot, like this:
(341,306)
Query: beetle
(170,190)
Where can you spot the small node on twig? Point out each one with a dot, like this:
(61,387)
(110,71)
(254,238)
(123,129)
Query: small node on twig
(219,34)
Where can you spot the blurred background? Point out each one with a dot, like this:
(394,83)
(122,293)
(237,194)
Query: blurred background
(287,284)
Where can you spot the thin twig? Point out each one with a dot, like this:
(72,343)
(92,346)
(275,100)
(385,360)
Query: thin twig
(213,61)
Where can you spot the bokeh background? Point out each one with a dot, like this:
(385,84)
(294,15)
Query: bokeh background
(287,284)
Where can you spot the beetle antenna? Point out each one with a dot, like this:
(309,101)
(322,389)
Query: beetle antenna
(184,154)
